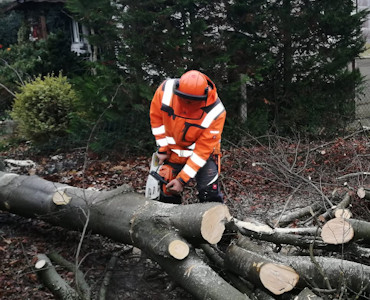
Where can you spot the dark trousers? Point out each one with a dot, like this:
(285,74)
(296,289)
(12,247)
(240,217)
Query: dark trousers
(207,184)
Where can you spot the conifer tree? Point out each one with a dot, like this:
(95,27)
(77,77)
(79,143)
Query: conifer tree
(298,59)
(293,55)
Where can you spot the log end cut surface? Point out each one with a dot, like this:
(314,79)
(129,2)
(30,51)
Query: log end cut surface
(213,223)
(278,279)
(178,249)
(343,213)
(337,231)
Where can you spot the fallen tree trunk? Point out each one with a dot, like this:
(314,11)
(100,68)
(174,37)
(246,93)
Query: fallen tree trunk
(277,278)
(341,230)
(162,230)
(168,234)
(279,235)
(339,272)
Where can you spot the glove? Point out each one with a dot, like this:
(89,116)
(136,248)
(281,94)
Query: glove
(161,158)
(175,186)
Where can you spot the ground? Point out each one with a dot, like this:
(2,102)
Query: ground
(258,181)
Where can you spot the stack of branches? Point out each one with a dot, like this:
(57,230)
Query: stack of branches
(318,246)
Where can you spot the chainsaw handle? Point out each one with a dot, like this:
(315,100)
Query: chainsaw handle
(158,177)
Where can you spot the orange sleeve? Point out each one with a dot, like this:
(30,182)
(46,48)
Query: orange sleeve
(205,145)
(156,121)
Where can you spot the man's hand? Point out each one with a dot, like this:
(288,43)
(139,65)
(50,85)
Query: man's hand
(161,158)
(175,186)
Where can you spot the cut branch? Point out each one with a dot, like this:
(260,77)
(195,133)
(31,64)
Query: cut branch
(363,193)
(299,214)
(52,280)
(82,285)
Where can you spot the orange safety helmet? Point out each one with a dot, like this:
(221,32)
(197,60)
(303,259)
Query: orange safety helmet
(193,85)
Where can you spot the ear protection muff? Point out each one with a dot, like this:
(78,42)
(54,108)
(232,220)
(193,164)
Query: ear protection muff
(193,85)
(177,92)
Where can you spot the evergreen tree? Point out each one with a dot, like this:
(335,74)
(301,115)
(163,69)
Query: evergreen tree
(165,38)
(302,49)
(9,25)
(293,55)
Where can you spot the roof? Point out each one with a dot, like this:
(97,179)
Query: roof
(17,4)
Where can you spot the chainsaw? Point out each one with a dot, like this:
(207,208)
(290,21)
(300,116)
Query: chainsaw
(155,180)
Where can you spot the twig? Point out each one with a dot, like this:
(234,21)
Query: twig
(286,204)
(346,137)
(87,214)
(14,70)
(9,91)
(82,286)
(361,291)
(108,275)
(353,175)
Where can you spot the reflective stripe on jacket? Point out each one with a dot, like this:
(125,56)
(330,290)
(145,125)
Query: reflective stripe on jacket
(188,131)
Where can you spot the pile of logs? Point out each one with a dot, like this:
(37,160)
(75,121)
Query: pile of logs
(325,257)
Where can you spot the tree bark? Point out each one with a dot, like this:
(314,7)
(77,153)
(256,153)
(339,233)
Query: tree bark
(296,215)
(338,272)
(277,278)
(307,294)
(340,231)
(279,235)
(162,230)
(337,209)
(82,287)
(52,280)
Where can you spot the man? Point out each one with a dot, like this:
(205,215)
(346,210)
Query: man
(187,120)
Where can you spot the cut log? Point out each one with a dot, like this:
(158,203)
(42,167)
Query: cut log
(275,277)
(339,272)
(118,214)
(363,193)
(337,231)
(178,249)
(194,275)
(163,231)
(343,213)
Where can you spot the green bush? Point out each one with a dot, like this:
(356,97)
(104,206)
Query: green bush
(23,61)
(42,108)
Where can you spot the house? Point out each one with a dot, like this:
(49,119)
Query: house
(46,16)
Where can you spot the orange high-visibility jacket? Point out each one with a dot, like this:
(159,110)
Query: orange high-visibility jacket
(188,131)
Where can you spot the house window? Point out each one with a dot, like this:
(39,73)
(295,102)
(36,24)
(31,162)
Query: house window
(80,45)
